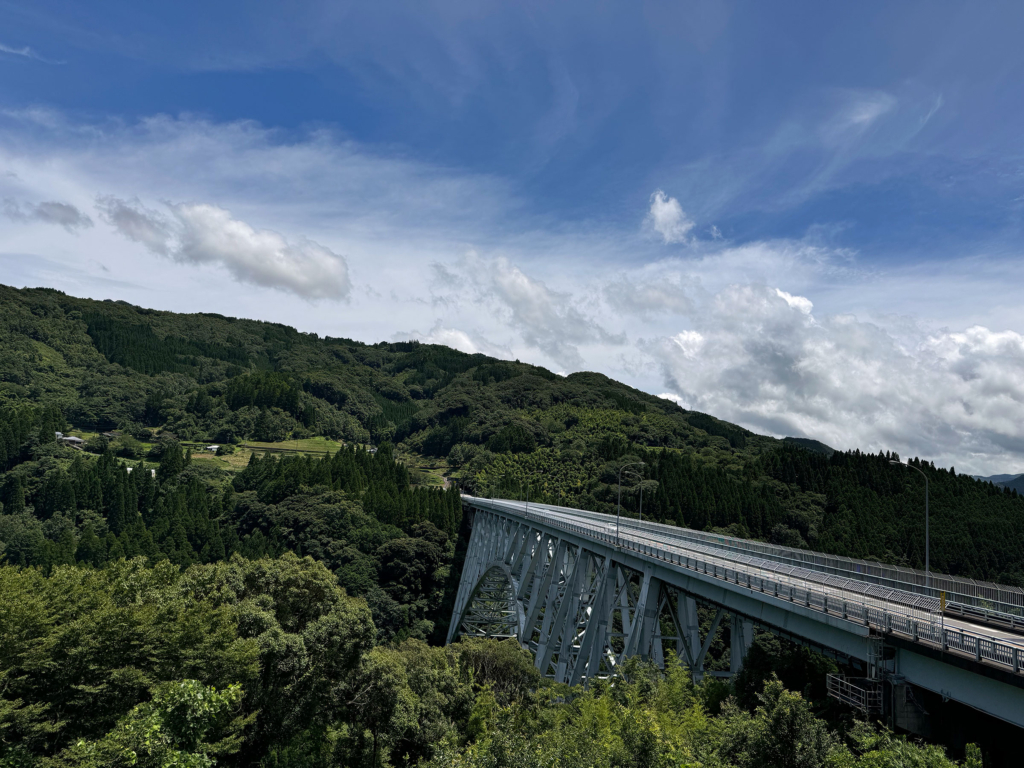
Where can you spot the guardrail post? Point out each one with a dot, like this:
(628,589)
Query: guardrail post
(977,649)
(1016,660)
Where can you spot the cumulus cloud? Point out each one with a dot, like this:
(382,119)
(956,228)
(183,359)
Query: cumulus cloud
(547,319)
(49,212)
(464,341)
(205,234)
(137,223)
(690,343)
(761,358)
(666,218)
(647,297)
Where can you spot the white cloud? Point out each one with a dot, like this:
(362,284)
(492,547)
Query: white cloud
(763,360)
(796,302)
(206,234)
(689,342)
(548,320)
(139,224)
(789,337)
(649,295)
(863,109)
(667,218)
(470,343)
(62,214)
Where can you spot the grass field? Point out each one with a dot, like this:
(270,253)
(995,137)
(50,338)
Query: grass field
(425,470)
(238,460)
(308,445)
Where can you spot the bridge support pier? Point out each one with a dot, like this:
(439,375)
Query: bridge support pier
(742,636)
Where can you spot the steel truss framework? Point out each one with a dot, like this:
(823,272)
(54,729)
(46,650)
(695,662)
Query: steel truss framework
(582,598)
(579,610)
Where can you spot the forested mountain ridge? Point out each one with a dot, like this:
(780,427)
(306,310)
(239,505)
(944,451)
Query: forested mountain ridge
(495,427)
(109,364)
(1014,482)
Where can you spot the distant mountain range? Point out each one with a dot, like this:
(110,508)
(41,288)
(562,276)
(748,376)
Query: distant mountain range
(1015,482)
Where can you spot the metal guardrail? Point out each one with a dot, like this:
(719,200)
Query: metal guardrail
(986,616)
(893,614)
(1005,604)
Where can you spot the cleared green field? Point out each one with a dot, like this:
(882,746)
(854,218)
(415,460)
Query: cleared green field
(308,445)
(425,470)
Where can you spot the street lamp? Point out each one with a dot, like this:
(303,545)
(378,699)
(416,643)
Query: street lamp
(641,496)
(639,476)
(927,562)
(618,510)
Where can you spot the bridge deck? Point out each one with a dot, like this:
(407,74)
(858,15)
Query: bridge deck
(978,664)
(632,532)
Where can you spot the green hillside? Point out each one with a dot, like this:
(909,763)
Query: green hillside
(307,566)
(492,427)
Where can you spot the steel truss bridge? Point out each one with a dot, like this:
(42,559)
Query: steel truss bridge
(583,594)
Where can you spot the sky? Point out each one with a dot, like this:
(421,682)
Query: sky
(804,218)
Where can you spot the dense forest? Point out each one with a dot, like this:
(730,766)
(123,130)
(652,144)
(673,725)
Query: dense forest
(178,586)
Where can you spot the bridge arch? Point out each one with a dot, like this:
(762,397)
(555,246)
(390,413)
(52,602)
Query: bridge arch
(493,609)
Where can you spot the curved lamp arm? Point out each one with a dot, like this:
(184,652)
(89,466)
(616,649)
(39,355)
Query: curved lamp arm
(618,509)
(927,549)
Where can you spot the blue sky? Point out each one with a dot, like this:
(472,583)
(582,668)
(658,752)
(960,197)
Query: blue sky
(629,187)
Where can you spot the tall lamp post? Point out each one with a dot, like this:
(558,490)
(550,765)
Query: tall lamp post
(618,510)
(927,561)
(641,496)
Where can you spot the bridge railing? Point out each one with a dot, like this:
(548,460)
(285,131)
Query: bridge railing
(904,619)
(995,601)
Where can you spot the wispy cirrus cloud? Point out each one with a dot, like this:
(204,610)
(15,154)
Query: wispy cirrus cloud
(26,52)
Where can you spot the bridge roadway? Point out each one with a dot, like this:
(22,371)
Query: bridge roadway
(653,532)
(583,593)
